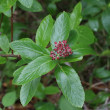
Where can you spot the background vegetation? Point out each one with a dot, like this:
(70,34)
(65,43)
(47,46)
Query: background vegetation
(94,71)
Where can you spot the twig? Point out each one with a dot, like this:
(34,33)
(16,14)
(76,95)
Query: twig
(97,88)
(96,84)
(12,55)
(85,107)
(12,25)
(1,20)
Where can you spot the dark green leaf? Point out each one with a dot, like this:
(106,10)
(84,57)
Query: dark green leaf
(101,73)
(2,60)
(44,31)
(87,50)
(106,53)
(46,106)
(51,90)
(73,36)
(89,95)
(94,24)
(35,69)
(85,37)
(70,85)
(75,16)
(106,20)
(28,91)
(61,29)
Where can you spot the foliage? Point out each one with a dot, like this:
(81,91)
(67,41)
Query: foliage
(48,56)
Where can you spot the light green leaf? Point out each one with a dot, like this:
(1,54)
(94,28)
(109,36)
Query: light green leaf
(106,20)
(2,60)
(36,7)
(75,17)
(9,99)
(35,69)
(26,3)
(18,71)
(4,43)
(28,49)
(61,29)
(21,62)
(28,91)
(65,105)
(51,90)
(70,85)
(5,5)
(44,31)
(8,13)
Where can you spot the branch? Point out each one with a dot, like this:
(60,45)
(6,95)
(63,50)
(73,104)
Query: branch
(95,87)
(12,25)
(18,56)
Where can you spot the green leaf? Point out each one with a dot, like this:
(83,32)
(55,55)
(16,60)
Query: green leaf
(35,69)
(51,90)
(89,95)
(40,92)
(4,43)
(106,53)
(72,58)
(28,91)
(21,62)
(75,17)
(26,3)
(8,13)
(5,5)
(18,71)
(2,60)
(65,105)
(101,73)
(36,7)
(73,36)
(9,99)
(85,37)
(90,10)
(94,24)
(44,31)
(46,106)
(28,49)
(82,51)
(61,29)
(70,85)
(106,20)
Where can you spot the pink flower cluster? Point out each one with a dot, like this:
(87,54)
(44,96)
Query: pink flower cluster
(61,50)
